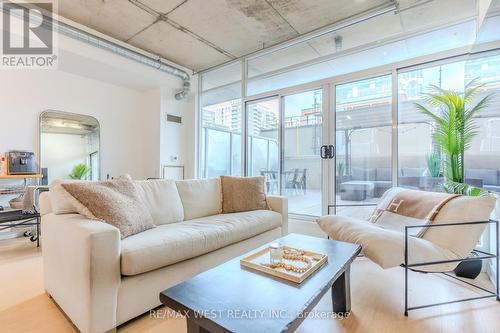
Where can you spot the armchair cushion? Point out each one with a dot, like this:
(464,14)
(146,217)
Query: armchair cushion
(461,240)
(385,247)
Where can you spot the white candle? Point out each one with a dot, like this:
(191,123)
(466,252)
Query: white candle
(275,253)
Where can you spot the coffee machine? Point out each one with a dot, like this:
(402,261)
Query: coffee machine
(21,163)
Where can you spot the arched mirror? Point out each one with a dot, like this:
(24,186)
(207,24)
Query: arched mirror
(69,146)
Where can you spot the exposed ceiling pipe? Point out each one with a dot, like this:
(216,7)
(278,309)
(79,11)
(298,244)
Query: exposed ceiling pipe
(102,43)
(105,44)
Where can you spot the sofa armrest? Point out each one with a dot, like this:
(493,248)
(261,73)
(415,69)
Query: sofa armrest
(279,204)
(81,260)
(44,203)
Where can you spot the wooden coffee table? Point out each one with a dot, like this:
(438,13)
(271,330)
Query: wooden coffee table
(231,298)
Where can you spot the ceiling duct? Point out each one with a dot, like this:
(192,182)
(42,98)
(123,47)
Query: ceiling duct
(102,43)
(105,44)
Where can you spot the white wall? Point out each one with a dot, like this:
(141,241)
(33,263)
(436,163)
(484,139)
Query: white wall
(25,94)
(129,100)
(185,133)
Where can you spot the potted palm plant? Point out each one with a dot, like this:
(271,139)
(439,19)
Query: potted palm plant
(80,171)
(454,129)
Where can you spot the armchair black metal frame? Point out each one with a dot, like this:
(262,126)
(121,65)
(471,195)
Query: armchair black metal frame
(366,204)
(484,256)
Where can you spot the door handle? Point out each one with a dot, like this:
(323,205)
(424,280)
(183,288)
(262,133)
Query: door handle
(331,151)
(327,152)
(323,152)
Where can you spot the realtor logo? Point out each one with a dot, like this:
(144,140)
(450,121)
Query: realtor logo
(28,35)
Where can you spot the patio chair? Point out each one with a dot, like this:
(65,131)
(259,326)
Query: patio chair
(432,245)
(297,180)
(271,180)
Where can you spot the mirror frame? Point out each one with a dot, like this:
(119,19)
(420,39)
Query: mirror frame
(39,159)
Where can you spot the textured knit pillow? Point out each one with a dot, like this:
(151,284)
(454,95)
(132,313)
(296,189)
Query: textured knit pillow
(116,202)
(242,194)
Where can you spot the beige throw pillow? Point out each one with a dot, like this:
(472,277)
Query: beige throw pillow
(116,202)
(242,194)
(200,197)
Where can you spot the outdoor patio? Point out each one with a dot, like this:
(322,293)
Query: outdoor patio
(309,203)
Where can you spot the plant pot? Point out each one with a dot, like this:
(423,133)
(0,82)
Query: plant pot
(469,269)
(431,183)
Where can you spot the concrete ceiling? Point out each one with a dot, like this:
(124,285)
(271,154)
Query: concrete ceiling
(413,17)
(199,34)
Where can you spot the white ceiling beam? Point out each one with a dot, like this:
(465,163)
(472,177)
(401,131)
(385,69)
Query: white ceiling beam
(482,10)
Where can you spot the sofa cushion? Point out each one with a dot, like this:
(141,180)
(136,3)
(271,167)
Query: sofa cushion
(162,200)
(171,243)
(200,197)
(60,201)
(243,194)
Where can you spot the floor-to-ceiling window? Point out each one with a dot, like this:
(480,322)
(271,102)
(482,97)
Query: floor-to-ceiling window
(419,159)
(419,165)
(220,118)
(363,122)
(254,120)
(263,139)
(302,139)
(482,159)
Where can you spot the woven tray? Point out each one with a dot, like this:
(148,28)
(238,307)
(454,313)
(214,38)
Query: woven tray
(259,259)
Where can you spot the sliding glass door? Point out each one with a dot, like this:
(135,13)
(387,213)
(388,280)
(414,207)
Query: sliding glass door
(302,141)
(283,142)
(363,137)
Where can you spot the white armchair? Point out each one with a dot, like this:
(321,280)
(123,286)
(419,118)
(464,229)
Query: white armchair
(447,241)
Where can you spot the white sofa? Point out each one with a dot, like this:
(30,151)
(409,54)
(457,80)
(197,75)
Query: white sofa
(101,281)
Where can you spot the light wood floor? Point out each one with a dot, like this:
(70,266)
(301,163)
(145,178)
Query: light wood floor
(377,302)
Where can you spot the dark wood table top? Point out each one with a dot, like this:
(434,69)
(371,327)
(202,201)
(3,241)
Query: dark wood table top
(231,298)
